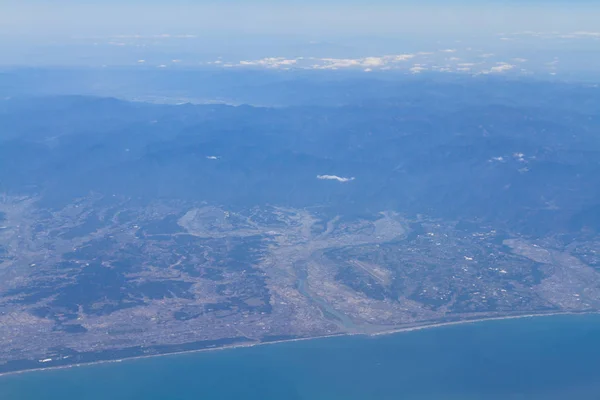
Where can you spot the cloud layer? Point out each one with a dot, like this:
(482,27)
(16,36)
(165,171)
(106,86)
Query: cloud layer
(443,60)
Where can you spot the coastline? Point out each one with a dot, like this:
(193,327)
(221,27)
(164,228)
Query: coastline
(474,321)
(391,331)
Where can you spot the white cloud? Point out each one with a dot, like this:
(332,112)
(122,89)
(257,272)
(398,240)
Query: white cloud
(334,178)
(335,63)
(366,62)
(212,157)
(269,62)
(417,69)
(371,62)
(519,157)
(403,57)
(501,67)
(141,61)
(449,63)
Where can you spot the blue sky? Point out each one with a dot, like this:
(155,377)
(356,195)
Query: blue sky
(285,17)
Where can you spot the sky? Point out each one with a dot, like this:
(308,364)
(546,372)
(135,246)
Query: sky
(62,18)
(468,36)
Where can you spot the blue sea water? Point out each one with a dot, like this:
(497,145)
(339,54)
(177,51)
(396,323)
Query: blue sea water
(532,358)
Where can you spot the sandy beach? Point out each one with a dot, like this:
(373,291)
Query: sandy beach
(253,344)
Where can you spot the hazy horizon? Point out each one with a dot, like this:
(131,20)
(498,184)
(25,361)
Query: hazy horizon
(461,36)
(68,18)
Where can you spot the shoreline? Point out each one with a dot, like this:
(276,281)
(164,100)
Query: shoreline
(392,331)
(474,321)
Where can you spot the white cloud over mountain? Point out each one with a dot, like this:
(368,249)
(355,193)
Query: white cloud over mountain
(364,63)
(334,178)
(467,61)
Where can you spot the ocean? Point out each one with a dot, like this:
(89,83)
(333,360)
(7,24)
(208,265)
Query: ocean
(547,358)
